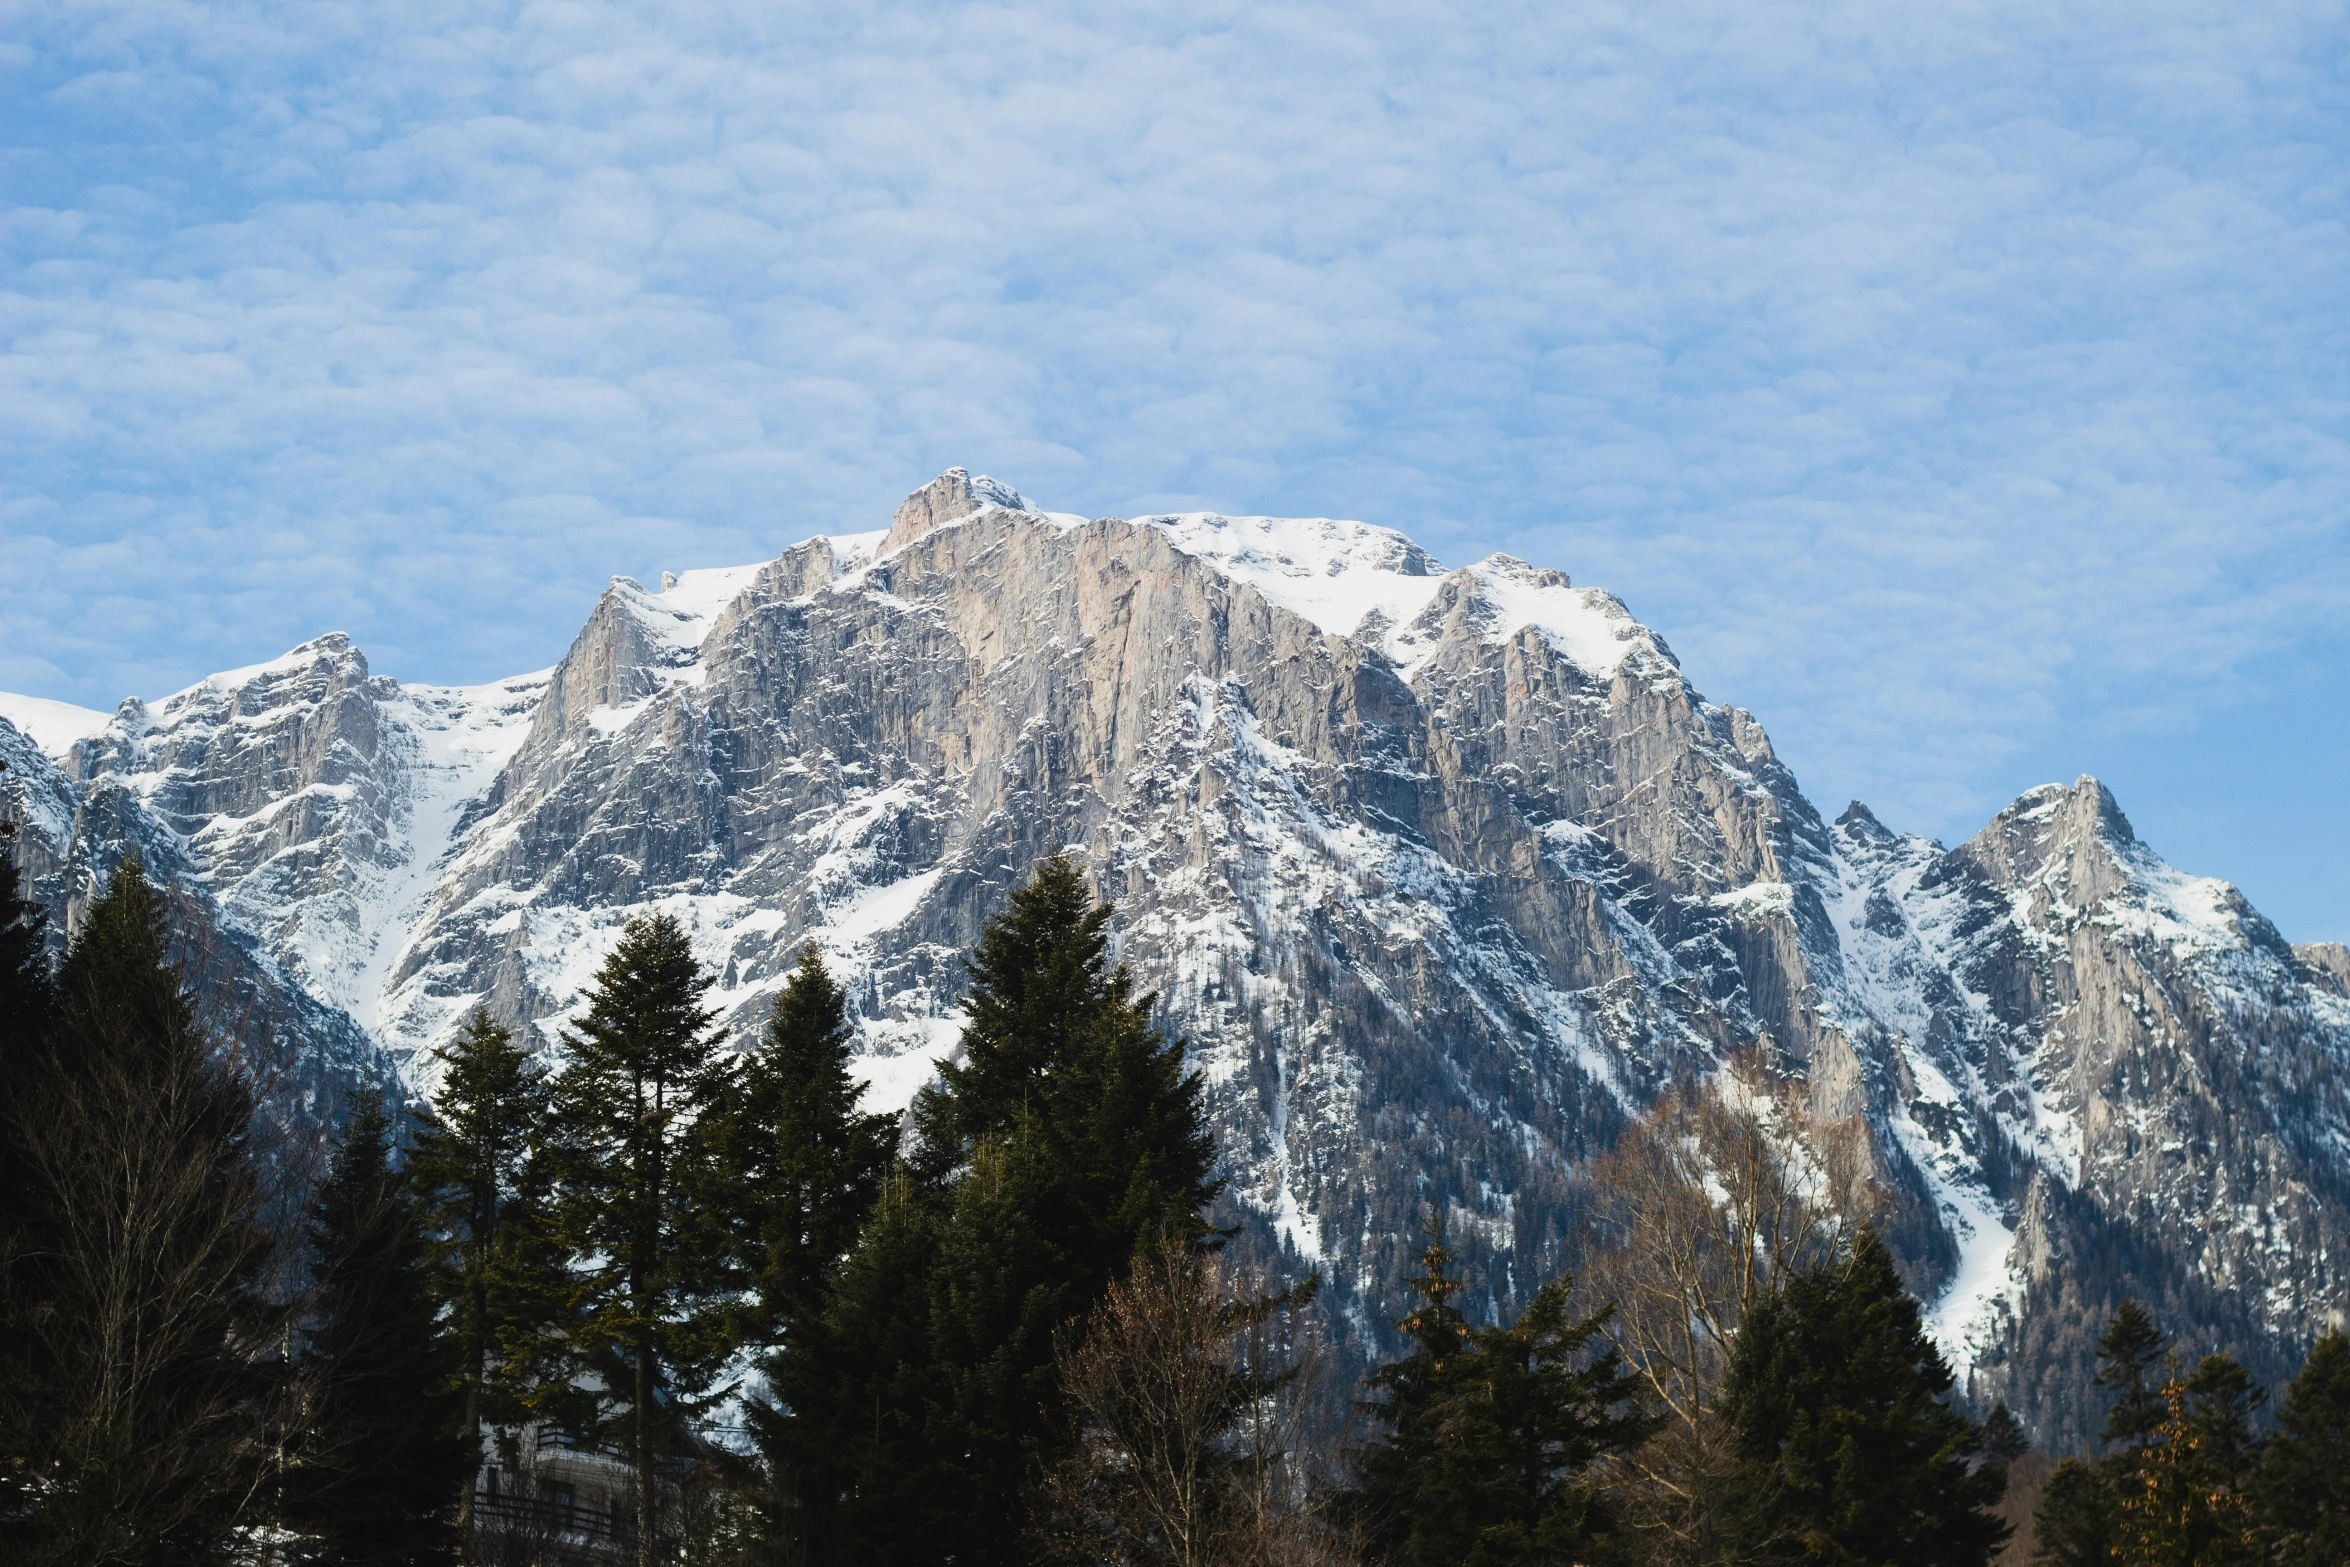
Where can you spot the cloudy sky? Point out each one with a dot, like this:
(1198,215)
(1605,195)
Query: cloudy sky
(1965,388)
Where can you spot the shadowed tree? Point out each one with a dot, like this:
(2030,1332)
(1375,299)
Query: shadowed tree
(1065,1141)
(471,1167)
(2079,1521)
(801,1169)
(630,1133)
(140,1306)
(1851,1450)
(385,1455)
(1491,1433)
(27,997)
(2301,1499)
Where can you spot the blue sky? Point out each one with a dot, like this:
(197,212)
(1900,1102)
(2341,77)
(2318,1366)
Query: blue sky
(1964,388)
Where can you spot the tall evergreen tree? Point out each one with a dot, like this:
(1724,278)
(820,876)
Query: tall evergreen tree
(28,993)
(147,1259)
(2077,1523)
(631,1126)
(2187,1501)
(2301,1500)
(1067,1139)
(802,1164)
(1491,1433)
(1060,1049)
(384,1457)
(27,997)
(802,1167)
(471,1168)
(859,1426)
(2079,1520)
(2130,1357)
(1851,1450)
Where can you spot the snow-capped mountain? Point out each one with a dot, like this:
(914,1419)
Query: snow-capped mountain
(1442,873)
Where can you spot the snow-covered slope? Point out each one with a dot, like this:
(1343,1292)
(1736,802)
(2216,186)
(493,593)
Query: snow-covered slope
(1442,873)
(52,726)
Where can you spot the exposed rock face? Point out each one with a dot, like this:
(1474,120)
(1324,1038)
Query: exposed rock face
(306,1055)
(2134,1068)
(1443,874)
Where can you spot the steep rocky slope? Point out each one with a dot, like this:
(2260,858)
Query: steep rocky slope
(1443,873)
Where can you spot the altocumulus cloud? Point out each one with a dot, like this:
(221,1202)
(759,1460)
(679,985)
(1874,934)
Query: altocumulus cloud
(1947,381)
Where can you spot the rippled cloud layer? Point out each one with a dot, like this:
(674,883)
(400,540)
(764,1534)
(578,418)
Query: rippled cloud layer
(1963,388)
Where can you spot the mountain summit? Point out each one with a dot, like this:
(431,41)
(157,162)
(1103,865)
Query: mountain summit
(1443,874)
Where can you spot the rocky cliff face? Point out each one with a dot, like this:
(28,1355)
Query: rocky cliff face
(1443,874)
(82,807)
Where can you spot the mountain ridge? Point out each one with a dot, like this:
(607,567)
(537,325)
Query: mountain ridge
(1444,873)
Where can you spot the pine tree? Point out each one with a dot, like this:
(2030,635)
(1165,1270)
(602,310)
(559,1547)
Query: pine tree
(2079,1520)
(801,1164)
(27,997)
(800,1170)
(1067,1140)
(856,1423)
(471,1168)
(28,993)
(1059,1047)
(2301,1499)
(2077,1523)
(1851,1450)
(2130,1353)
(631,1130)
(147,1258)
(385,1459)
(2187,1502)
(1491,1433)
(2003,1438)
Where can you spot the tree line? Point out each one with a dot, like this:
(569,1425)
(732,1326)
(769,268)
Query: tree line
(999,1328)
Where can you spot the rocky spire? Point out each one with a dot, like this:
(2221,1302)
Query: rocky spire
(950,497)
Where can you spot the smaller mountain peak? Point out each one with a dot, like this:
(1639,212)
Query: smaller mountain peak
(2097,801)
(1516,570)
(1860,822)
(950,497)
(332,648)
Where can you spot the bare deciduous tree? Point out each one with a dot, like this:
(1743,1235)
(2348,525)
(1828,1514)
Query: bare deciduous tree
(1192,1392)
(1703,1205)
(142,1296)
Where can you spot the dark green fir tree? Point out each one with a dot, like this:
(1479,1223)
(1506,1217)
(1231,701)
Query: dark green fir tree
(2301,1500)
(2079,1522)
(2187,1500)
(1067,1140)
(2076,1523)
(1490,1434)
(801,1168)
(802,1164)
(384,1456)
(493,1271)
(1850,1449)
(27,997)
(27,991)
(147,1259)
(631,1133)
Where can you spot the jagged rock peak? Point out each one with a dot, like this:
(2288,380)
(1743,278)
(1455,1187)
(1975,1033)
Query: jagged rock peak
(1861,823)
(2085,804)
(950,497)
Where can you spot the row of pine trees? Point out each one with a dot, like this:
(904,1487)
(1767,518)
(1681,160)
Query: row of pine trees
(1000,1332)
(2188,1476)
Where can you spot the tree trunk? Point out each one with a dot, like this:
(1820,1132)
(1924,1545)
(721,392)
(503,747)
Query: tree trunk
(481,1313)
(645,1552)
